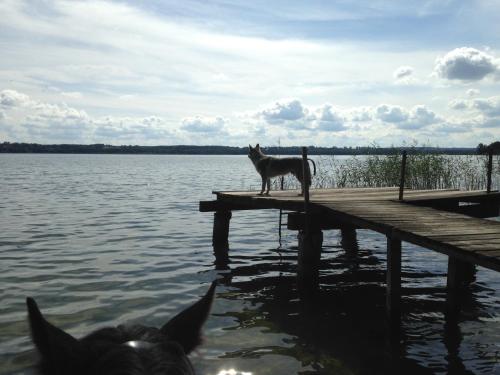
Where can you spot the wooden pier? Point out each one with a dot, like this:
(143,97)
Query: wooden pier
(447,221)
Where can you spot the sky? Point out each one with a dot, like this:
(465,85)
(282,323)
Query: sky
(229,72)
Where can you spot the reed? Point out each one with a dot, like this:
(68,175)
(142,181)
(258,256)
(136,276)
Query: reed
(423,171)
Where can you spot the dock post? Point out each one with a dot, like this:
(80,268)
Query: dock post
(460,274)
(393,294)
(403,175)
(490,170)
(349,241)
(220,236)
(310,239)
(309,256)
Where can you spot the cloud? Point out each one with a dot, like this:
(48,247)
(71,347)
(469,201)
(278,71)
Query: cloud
(327,119)
(489,106)
(149,128)
(402,72)
(449,128)
(58,122)
(284,110)
(417,117)
(360,114)
(458,104)
(72,94)
(12,98)
(199,124)
(472,92)
(392,114)
(42,122)
(295,116)
(479,121)
(465,64)
(420,116)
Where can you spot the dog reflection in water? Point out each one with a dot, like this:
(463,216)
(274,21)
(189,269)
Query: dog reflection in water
(126,350)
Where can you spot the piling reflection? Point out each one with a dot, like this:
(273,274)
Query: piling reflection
(339,325)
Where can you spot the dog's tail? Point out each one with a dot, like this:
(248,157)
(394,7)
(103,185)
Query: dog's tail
(314,165)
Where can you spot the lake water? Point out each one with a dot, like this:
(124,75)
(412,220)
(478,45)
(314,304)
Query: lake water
(103,239)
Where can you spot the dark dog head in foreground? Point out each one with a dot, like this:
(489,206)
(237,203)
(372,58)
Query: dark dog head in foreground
(126,350)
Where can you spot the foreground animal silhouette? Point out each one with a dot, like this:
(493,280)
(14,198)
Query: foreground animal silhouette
(269,166)
(125,350)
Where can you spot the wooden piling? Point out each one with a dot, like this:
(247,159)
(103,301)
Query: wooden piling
(309,256)
(460,274)
(305,185)
(490,170)
(349,240)
(310,239)
(393,296)
(220,236)
(403,173)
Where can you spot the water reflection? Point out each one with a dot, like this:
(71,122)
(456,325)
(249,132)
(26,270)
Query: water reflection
(340,326)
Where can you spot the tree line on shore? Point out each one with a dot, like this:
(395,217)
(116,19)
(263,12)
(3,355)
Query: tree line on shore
(7,147)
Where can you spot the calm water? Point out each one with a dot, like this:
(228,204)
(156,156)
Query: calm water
(103,239)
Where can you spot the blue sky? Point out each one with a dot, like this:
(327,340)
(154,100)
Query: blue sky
(341,73)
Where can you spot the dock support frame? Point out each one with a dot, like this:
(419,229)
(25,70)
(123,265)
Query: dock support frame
(460,275)
(393,278)
(309,257)
(220,236)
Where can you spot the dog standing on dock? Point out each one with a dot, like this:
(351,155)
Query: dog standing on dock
(269,166)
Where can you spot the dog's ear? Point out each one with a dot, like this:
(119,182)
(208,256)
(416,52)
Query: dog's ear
(59,350)
(250,147)
(257,146)
(185,327)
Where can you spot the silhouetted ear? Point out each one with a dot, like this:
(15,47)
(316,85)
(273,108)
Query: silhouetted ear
(55,345)
(185,327)
(257,146)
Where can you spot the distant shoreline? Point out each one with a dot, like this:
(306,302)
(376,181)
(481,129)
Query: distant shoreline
(34,148)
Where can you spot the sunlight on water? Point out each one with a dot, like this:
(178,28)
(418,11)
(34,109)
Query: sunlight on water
(233,372)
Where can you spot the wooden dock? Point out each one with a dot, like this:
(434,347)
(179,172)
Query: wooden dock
(447,221)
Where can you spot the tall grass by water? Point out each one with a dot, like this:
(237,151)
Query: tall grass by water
(423,171)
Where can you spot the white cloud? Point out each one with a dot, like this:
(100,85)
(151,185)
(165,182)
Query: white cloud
(449,128)
(199,124)
(392,114)
(284,110)
(472,92)
(328,119)
(458,104)
(131,130)
(465,64)
(478,122)
(420,116)
(417,117)
(72,94)
(41,122)
(360,114)
(12,98)
(488,106)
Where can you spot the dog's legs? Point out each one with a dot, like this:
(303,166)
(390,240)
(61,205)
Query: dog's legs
(268,182)
(264,180)
(299,177)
